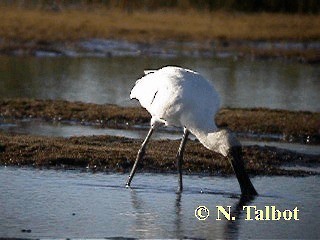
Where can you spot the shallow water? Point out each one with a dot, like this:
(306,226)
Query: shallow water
(73,204)
(241,83)
(70,129)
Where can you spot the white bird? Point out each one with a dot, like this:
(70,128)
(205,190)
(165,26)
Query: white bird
(181,97)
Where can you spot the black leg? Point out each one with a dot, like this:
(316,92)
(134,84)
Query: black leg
(180,156)
(139,156)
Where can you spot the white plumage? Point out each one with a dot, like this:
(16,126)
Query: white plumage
(181,97)
(177,96)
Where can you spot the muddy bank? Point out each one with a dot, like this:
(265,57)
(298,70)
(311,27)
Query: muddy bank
(302,127)
(304,52)
(105,153)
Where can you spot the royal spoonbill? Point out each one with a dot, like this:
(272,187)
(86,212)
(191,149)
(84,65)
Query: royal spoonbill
(181,97)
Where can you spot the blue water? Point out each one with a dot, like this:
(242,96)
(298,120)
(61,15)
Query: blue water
(75,204)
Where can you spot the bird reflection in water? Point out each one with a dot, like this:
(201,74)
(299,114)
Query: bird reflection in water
(151,222)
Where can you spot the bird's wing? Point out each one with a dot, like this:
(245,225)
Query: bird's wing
(145,90)
(178,96)
(144,86)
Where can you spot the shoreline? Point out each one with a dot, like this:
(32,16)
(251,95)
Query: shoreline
(306,52)
(117,154)
(292,126)
(97,31)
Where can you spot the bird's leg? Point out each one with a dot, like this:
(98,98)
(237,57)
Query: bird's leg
(139,156)
(180,157)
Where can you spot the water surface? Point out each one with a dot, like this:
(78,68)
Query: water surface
(70,129)
(241,83)
(74,204)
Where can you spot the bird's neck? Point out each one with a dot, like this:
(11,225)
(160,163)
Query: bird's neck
(213,139)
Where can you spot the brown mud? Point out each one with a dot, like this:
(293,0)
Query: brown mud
(292,126)
(107,153)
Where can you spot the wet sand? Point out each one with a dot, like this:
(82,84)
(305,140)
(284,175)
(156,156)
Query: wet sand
(107,153)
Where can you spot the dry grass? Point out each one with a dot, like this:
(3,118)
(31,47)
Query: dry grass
(71,25)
